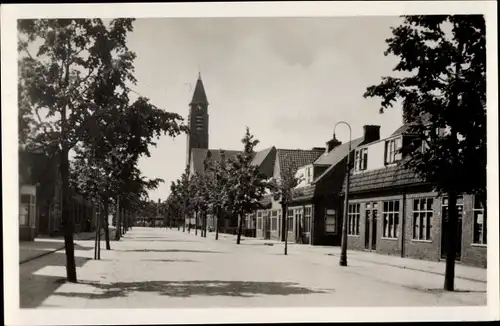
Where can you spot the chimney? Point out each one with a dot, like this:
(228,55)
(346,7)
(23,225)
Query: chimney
(371,133)
(331,144)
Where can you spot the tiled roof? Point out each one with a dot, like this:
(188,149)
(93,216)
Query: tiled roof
(303,192)
(401,130)
(337,155)
(384,178)
(199,95)
(261,156)
(292,159)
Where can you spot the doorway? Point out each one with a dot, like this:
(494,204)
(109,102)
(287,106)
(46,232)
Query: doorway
(371,219)
(445,228)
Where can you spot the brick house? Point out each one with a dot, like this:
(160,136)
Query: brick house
(269,220)
(393,211)
(43,171)
(315,205)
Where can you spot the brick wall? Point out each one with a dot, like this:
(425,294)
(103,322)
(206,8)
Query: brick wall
(472,254)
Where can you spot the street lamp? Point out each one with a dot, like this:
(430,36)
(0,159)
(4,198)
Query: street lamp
(343,248)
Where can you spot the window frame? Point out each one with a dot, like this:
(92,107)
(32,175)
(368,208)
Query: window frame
(289,216)
(353,219)
(307,213)
(422,218)
(483,233)
(328,216)
(391,219)
(393,148)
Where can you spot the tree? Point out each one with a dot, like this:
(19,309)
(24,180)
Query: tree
(79,66)
(282,190)
(247,184)
(443,95)
(218,192)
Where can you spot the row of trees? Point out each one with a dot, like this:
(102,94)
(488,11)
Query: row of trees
(227,188)
(441,87)
(75,106)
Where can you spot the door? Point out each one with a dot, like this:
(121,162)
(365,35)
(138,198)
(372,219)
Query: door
(267,226)
(371,226)
(445,228)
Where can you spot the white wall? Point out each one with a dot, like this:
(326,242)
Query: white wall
(376,157)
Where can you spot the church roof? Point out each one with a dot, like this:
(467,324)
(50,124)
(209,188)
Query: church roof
(198,156)
(199,95)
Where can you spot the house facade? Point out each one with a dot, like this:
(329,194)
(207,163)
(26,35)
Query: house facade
(393,211)
(41,199)
(313,214)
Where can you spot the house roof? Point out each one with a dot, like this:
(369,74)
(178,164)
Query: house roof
(388,177)
(198,156)
(292,159)
(199,95)
(401,130)
(260,156)
(337,155)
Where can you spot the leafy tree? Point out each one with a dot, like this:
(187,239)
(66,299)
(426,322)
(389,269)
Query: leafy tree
(219,202)
(80,70)
(443,95)
(247,184)
(282,190)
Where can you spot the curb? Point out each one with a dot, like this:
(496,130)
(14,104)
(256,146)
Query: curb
(52,251)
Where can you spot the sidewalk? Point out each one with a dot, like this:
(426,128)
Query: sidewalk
(29,250)
(433,267)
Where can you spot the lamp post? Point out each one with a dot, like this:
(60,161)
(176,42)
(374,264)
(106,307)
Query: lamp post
(343,248)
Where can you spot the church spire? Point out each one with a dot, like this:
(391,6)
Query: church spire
(199,95)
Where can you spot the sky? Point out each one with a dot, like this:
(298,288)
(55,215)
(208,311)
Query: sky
(290,80)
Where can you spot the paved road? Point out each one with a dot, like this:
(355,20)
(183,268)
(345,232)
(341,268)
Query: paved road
(158,268)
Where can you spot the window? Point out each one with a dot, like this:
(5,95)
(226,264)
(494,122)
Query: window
(422,218)
(307,218)
(289,220)
(361,160)
(259,223)
(298,218)
(274,220)
(353,219)
(479,220)
(392,150)
(330,221)
(26,209)
(391,219)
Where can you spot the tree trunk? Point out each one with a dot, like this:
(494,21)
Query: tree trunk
(240,226)
(217,225)
(206,223)
(196,223)
(283,221)
(118,218)
(451,242)
(284,208)
(67,219)
(106,223)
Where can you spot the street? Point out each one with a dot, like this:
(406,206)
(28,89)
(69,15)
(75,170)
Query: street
(160,268)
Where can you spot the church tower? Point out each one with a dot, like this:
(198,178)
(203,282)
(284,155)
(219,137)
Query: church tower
(197,120)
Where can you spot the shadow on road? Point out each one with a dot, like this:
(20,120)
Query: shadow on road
(193,288)
(159,240)
(173,250)
(171,260)
(43,285)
